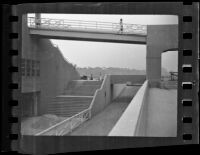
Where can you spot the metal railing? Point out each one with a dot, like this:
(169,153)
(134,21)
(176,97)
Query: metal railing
(174,76)
(66,126)
(80,25)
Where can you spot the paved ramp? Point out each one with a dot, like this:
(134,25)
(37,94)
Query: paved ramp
(102,123)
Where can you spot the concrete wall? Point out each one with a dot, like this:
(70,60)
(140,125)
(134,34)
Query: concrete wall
(102,97)
(55,71)
(29,101)
(29,51)
(116,90)
(134,79)
(141,127)
(159,39)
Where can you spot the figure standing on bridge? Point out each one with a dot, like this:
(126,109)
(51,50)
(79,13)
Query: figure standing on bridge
(121,26)
(37,22)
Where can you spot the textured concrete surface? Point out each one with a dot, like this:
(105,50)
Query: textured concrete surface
(162,113)
(55,71)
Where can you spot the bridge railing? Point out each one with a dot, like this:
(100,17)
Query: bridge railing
(65,24)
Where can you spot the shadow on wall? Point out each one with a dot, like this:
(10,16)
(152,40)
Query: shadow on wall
(56,72)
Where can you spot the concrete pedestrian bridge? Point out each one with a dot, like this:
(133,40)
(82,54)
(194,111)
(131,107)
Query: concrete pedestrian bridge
(118,105)
(87,30)
(157,38)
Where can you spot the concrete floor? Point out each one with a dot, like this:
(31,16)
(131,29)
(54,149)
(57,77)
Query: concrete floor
(102,123)
(162,113)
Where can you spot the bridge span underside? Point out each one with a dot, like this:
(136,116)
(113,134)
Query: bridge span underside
(88,36)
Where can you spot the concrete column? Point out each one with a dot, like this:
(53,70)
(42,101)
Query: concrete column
(159,39)
(153,66)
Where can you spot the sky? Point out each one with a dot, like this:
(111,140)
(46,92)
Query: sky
(98,54)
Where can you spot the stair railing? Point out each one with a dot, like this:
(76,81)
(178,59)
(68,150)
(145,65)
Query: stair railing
(67,125)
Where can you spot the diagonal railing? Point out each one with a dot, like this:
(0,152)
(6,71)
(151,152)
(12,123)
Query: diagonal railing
(67,125)
(80,25)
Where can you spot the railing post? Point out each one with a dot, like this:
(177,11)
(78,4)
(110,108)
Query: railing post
(90,113)
(70,126)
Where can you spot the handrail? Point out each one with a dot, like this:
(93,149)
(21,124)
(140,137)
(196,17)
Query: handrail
(60,123)
(49,23)
(98,90)
(74,116)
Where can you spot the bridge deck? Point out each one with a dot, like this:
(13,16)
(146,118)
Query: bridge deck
(80,25)
(87,30)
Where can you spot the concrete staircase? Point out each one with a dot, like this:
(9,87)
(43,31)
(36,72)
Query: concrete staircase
(82,87)
(77,97)
(67,106)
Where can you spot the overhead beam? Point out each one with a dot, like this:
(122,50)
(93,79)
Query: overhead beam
(88,36)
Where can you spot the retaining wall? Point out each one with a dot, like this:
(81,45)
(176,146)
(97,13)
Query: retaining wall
(133,120)
(102,97)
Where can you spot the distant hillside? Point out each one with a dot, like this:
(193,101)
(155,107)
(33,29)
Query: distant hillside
(97,71)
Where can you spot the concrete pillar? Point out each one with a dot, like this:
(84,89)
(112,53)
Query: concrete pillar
(153,66)
(159,39)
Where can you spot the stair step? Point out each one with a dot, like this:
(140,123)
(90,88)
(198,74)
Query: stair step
(67,101)
(64,114)
(62,107)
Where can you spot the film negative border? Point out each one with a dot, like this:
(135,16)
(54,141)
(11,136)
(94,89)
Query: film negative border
(6,78)
(187,78)
(14,69)
(9,79)
(189,72)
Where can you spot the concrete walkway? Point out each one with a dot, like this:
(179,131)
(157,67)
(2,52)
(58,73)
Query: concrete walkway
(102,123)
(162,113)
